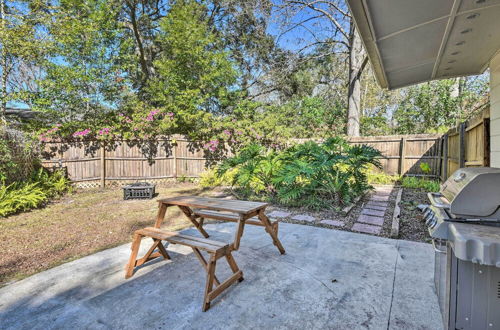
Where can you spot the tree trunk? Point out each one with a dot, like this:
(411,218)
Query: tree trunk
(456,95)
(357,62)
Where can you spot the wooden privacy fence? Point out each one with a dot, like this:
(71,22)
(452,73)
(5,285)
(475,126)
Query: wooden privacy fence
(467,145)
(403,154)
(93,164)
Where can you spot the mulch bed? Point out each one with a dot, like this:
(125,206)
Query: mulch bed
(411,228)
(411,225)
(348,219)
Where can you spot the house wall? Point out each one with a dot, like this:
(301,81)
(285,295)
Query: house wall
(495,110)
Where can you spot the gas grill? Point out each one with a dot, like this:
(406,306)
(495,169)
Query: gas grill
(464,223)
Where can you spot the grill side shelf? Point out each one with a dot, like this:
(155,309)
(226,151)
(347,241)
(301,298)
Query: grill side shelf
(475,243)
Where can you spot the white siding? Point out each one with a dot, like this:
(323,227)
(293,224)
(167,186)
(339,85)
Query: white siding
(495,110)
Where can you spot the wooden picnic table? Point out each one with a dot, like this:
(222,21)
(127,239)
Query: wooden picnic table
(198,208)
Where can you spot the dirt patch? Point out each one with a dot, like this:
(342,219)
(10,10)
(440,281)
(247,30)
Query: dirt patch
(80,224)
(411,225)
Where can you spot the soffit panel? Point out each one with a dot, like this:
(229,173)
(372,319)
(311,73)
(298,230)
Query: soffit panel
(412,41)
(413,47)
(410,76)
(469,52)
(404,14)
(475,4)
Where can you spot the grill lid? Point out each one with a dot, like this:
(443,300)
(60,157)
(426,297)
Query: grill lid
(474,192)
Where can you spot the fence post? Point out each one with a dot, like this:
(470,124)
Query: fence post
(103,165)
(174,154)
(462,145)
(439,164)
(402,154)
(486,142)
(445,157)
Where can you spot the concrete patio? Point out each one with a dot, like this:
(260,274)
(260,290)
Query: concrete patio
(327,279)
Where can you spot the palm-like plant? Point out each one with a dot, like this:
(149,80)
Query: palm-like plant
(309,174)
(256,167)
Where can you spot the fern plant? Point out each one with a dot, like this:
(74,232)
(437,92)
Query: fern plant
(33,193)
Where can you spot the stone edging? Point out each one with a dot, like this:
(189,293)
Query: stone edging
(395,215)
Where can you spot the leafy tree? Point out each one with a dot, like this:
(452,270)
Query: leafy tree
(437,106)
(193,71)
(22,46)
(81,80)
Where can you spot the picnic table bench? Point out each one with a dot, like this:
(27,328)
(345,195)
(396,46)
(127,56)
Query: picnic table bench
(197,209)
(215,249)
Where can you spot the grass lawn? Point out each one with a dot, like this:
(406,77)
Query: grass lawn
(79,224)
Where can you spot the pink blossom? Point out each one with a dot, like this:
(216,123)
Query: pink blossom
(53,129)
(212,145)
(239,132)
(82,133)
(152,114)
(170,114)
(105,130)
(227,132)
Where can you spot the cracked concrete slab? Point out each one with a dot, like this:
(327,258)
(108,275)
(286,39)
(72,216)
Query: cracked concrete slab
(327,279)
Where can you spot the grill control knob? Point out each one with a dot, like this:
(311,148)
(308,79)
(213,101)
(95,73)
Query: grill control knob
(431,221)
(428,215)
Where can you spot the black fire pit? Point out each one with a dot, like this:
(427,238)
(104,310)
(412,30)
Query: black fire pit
(139,190)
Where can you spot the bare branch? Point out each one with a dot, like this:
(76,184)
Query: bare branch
(330,17)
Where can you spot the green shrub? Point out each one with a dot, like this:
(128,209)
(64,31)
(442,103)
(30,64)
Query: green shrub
(419,183)
(33,193)
(425,168)
(210,178)
(381,178)
(16,198)
(309,175)
(18,155)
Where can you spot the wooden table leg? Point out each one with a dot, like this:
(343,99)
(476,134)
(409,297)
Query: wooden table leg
(233,265)
(189,214)
(239,233)
(162,210)
(133,255)
(210,282)
(202,260)
(269,228)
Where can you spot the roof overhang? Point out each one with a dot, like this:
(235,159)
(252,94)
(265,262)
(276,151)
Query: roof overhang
(413,41)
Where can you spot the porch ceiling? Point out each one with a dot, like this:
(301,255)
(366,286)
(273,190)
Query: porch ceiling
(409,41)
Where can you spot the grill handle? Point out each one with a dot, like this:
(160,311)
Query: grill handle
(436,244)
(433,197)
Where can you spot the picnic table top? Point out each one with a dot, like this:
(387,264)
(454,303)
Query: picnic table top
(217,204)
